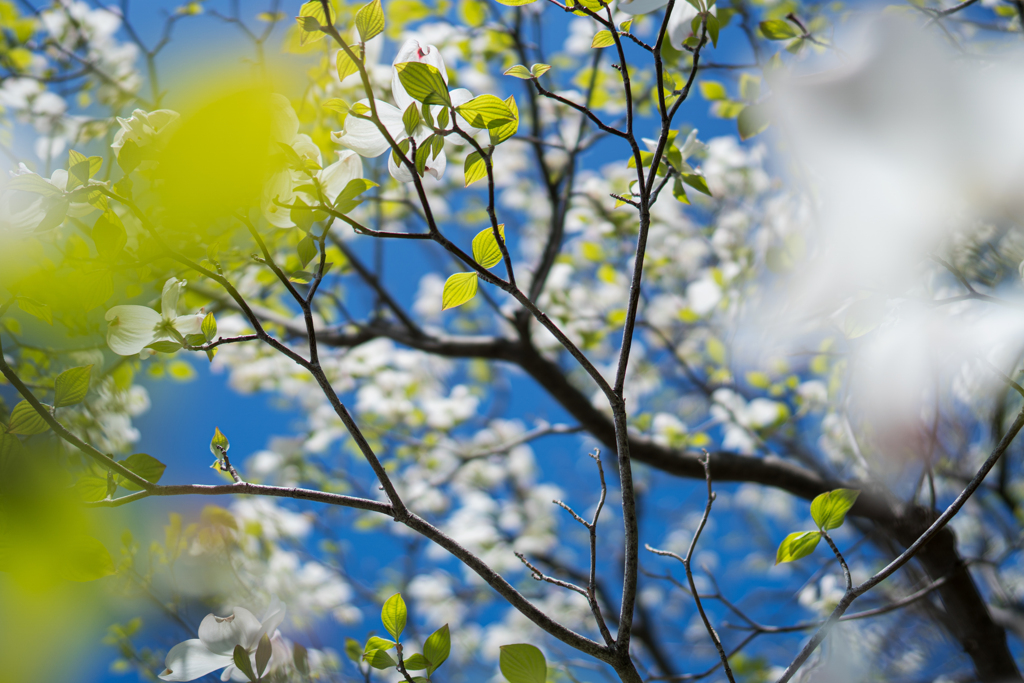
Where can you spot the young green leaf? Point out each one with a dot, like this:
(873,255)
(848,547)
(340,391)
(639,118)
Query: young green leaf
(516,3)
(475,168)
(346,67)
(602,39)
(539,70)
(165,346)
(311,18)
(370,20)
(829,509)
(519,71)
(753,119)
(109,235)
(25,421)
(393,615)
(244,664)
(437,648)
(300,657)
(84,558)
(379,659)
(129,157)
(697,182)
(36,309)
(219,444)
(486,250)
(79,170)
(486,111)
(415,662)
(713,90)
(777,29)
(353,650)
(523,663)
(90,488)
(798,544)
(411,118)
(458,289)
(263,652)
(146,466)
(209,327)
(504,131)
(71,386)
(713,28)
(377,643)
(424,83)
(307,250)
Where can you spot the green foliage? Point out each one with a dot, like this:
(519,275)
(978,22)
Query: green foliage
(370,20)
(346,66)
(797,545)
(244,664)
(219,444)
(71,386)
(602,39)
(36,309)
(475,168)
(424,83)
(263,652)
(458,289)
(777,29)
(523,663)
(829,509)
(393,615)
(437,648)
(26,421)
(209,327)
(146,466)
(486,250)
(85,559)
(311,18)
(752,119)
(486,111)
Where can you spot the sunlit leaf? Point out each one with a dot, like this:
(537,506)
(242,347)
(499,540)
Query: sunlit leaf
(486,250)
(796,545)
(829,509)
(458,289)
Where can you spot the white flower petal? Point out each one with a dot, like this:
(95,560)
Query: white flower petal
(306,148)
(131,328)
(272,619)
(363,137)
(278,188)
(221,634)
(169,298)
(191,660)
(283,120)
(189,324)
(335,177)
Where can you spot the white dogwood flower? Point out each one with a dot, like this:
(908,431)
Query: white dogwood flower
(215,646)
(132,328)
(25,201)
(366,139)
(281,188)
(145,128)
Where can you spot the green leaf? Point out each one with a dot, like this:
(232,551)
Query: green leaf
(523,663)
(311,18)
(370,20)
(146,466)
(79,170)
(752,120)
(829,509)
(539,70)
(334,104)
(798,544)
(602,39)
(25,421)
(713,90)
(85,559)
(679,192)
(475,169)
(411,118)
(486,111)
(516,3)
(263,652)
(415,662)
(109,235)
(424,83)
(750,87)
(242,661)
(129,157)
(346,67)
(504,131)
(300,657)
(209,327)
(437,648)
(458,289)
(486,250)
(71,386)
(519,71)
(727,109)
(377,643)
(307,250)
(90,488)
(165,346)
(353,650)
(36,309)
(393,615)
(777,29)
(379,659)
(713,28)
(697,182)
(219,444)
